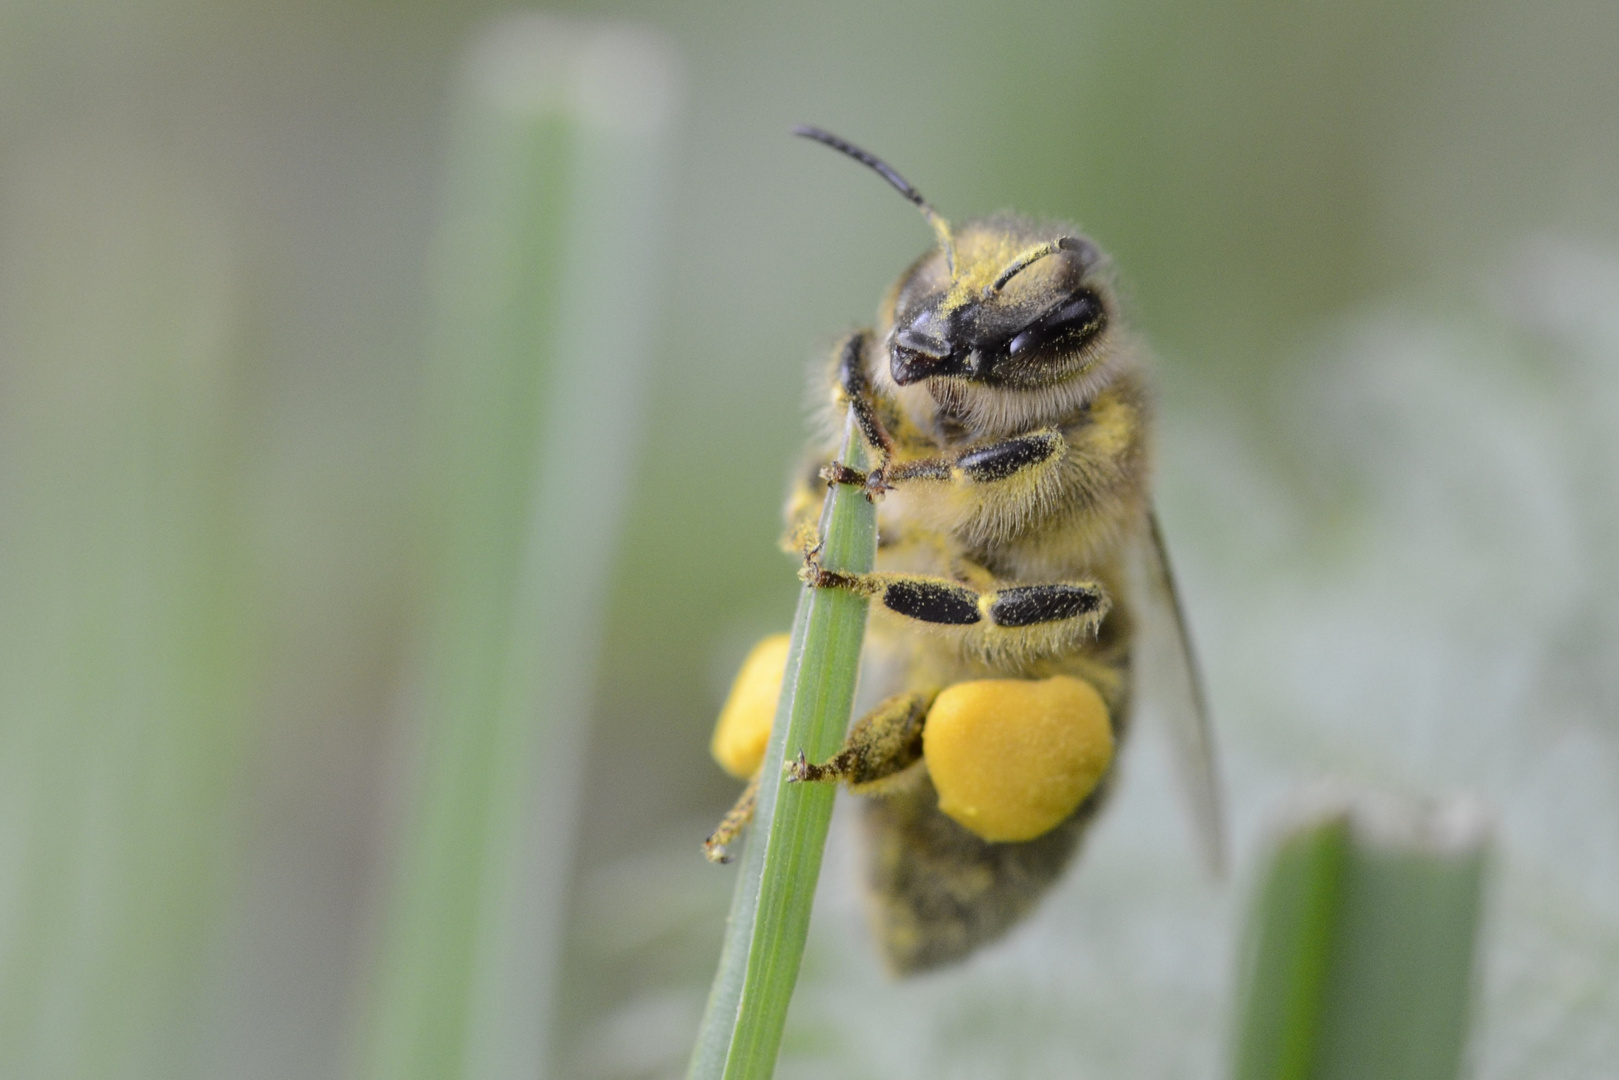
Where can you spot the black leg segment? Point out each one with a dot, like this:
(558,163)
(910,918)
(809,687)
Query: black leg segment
(857,388)
(998,461)
(943,602)
(932,601)
(1030,605)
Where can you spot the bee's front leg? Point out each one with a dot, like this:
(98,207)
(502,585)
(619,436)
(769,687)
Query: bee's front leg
(854,390)
(1021,457)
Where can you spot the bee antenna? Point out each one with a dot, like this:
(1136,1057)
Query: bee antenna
(941,227)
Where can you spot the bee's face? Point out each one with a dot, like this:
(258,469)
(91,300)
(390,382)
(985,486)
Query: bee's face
(1001,321)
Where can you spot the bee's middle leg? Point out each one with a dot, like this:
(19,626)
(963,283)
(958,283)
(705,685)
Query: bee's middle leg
(943,602)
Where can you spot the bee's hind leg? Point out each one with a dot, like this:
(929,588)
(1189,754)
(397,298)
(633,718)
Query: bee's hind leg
(731,825)
(883,743)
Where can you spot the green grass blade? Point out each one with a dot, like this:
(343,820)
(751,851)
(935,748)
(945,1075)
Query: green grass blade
(544,315)
(770,911)
(1287,985)
(126,611)
(1361,959)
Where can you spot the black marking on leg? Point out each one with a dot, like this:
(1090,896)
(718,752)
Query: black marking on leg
(1029,605)
(821,578)
(925,469)
(1001,460)
(852,365)
(933,602)
(839,473)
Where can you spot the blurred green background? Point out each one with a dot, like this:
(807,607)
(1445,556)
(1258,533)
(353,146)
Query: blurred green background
(1375,245)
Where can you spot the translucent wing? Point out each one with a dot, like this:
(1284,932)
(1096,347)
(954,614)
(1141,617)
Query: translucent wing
(1167,682)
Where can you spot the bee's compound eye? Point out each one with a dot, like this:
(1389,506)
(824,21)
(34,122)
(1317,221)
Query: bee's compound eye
(1012,758)
(1082,314)
(744,724)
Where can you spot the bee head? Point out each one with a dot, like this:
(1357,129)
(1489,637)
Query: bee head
(1017,305)
(1006,303)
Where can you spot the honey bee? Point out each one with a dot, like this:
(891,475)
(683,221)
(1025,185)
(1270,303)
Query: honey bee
(1022,588)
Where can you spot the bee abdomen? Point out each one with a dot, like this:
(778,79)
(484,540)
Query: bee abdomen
(939,892)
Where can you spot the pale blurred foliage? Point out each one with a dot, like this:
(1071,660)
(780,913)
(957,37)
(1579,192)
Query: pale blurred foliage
(1421,601)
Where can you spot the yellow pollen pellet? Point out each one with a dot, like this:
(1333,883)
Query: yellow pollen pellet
(1011,758)
(750,710)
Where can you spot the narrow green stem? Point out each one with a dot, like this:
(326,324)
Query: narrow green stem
(770,911)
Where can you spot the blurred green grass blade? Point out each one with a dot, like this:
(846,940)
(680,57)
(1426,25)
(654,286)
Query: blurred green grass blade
(124,613)
(1295,921)
(770,910)
(1361,957)
(547,295)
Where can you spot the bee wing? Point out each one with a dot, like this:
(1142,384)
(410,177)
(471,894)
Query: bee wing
(1166,677)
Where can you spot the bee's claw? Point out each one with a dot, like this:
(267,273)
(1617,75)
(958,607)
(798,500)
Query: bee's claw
(872,484)
(714,852)
(798,769)
(812,573)
(877,484)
